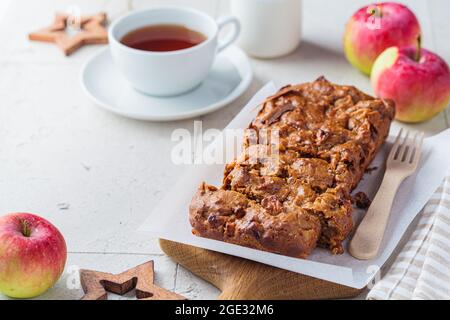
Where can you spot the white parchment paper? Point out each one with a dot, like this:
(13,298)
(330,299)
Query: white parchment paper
(169,219)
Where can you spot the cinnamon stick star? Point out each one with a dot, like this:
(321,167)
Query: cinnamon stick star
(96,284)
(92,31)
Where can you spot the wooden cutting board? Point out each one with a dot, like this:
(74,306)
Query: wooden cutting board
(239,278)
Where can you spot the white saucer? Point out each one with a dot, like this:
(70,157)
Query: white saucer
(228,79)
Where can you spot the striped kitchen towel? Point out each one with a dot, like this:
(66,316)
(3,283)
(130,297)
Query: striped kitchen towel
(422,269)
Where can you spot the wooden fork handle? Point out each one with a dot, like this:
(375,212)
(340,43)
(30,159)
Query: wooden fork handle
(369,235)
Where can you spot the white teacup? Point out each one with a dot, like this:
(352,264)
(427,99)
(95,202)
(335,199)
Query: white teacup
(171,72)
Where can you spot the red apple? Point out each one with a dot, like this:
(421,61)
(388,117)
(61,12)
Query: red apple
(374,28)
(32,255)
(416,79)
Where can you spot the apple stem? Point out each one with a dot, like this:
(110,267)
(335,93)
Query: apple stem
(419,45)
(376,11)
(26,231)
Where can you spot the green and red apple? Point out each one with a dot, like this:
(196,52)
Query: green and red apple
(417,80)
(32,255)
(374,28)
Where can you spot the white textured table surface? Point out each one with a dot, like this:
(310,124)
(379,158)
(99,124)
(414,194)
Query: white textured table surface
(57,150)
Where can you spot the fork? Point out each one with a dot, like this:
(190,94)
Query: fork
(400,164)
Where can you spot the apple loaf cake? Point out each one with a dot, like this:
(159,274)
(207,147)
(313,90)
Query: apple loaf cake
(296,198)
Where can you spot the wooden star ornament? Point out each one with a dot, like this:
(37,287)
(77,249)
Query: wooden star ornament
(91,31)
(141,278)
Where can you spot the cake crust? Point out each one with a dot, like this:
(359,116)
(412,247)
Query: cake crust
(298,198)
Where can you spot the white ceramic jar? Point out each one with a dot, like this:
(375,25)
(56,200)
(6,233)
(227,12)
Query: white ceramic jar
(269,28)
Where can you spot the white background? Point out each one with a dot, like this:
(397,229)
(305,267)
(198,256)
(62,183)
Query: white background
(57,149)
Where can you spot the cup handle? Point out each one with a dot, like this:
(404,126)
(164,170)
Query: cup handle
(232,36)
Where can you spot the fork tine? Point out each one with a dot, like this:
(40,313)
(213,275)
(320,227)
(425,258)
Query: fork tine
(417,149)
(406,148)
(410,156)
(394,148)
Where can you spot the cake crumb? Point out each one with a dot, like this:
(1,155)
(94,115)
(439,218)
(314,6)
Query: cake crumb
(361,200)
